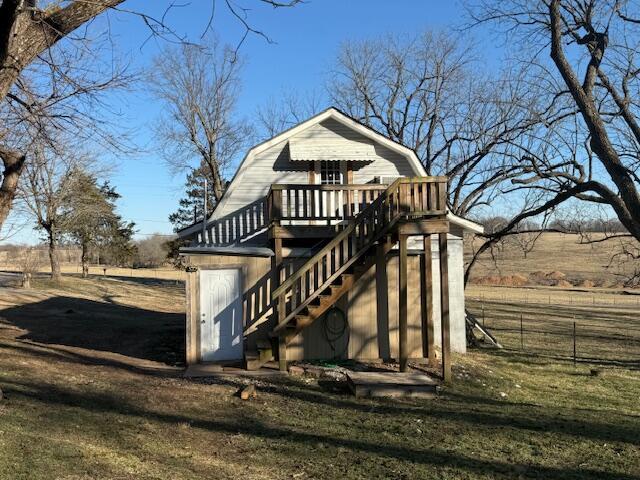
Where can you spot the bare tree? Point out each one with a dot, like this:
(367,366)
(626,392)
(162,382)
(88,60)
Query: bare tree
(29,262)
(44,191)
(199,86)
(152,251)
(427,93)
(585,54)
(30,29)
(289,109)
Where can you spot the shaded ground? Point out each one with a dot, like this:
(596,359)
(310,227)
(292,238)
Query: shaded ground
(76,409)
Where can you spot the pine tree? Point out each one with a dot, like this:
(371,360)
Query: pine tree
(91,221)
(190,209)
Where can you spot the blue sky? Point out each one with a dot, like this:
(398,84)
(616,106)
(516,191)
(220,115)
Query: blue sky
(306,38)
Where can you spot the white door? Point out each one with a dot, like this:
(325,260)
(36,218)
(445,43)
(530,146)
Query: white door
(220,315)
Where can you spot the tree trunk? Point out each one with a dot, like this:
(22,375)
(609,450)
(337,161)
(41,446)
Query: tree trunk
(13,165)
(56,275)
(26,31)
(85,260)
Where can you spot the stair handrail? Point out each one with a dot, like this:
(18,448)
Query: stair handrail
(336,240)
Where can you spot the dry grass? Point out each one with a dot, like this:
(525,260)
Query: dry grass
(164,273)
(89,371)
(553,253)
(607,324)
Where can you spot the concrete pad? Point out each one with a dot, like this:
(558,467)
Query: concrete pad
(392,384)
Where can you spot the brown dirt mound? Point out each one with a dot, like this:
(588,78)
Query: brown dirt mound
(555,275)
(587,284)
(538,274)
(489,280)
(516,280)
(564,284)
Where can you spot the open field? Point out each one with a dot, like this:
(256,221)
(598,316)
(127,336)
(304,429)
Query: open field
(164,273)
(540,321)
(555,252)
(93,390)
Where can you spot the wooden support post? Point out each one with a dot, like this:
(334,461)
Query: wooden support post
(276,207)
(426,297)
(279,306)
(382,301)
(282,352)
(444,307)
(403,299)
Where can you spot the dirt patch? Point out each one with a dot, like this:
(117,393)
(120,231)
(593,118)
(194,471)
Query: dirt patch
(587,284)
(555,275)
(515,280)
(564,284)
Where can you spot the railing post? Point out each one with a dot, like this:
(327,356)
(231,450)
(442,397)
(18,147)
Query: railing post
(404,194)
(276,206)
(442,195)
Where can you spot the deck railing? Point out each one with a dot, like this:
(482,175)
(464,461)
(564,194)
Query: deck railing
(404,198)
(291,204)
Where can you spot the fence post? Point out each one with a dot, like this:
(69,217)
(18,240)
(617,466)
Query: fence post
(574,343)
(521,334)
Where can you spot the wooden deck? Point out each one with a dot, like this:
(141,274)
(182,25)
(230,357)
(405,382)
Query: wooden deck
(392,384)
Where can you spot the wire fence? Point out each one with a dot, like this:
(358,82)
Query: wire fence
(553,296)
(580,333)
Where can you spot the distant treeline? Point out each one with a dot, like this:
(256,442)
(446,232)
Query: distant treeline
(609,225)
(150,252)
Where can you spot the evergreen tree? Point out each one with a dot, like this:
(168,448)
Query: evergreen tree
(91,221)
(191,206)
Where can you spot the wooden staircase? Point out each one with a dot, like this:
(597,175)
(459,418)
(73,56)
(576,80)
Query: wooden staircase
(321,281)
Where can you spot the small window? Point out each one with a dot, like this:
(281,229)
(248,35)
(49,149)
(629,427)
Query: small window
(330,173)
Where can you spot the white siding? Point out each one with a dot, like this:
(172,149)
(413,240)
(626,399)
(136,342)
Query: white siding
(236,214)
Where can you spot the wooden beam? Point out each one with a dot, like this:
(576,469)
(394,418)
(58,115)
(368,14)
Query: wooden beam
(193,313)
(444,307)
(312,173)
(382,300)
(403,300)
(302,231)
(426,297)
(279,307)
(282,352)
(423,227)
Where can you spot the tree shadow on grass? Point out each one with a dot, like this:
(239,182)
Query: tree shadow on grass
(471,409)
(105,327)
(280,435)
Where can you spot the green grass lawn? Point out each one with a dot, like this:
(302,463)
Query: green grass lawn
(100,412)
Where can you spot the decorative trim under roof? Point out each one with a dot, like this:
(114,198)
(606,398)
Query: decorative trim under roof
(331,150)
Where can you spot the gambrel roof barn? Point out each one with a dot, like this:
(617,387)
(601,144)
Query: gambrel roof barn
(327,244)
